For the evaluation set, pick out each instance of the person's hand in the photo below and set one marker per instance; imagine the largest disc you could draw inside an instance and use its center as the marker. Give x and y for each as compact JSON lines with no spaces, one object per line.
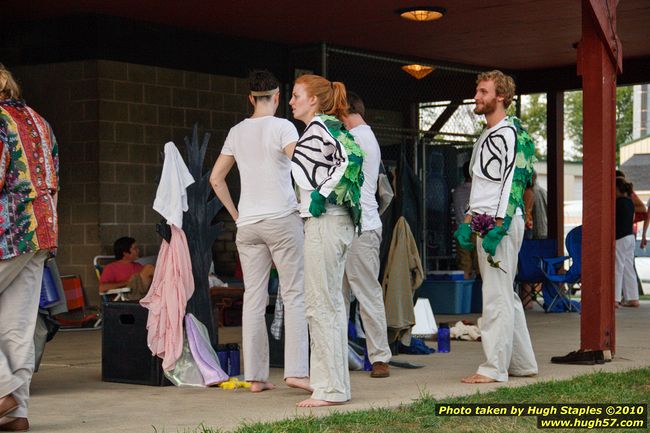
{"x":644,"y":243}
{"x":492,"y":238}
{"x":317,"y":205}
{"x":464,"y":236}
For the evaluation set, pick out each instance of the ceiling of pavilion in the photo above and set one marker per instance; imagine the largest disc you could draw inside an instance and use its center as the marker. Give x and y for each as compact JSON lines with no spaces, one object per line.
{"x":510,"y":34}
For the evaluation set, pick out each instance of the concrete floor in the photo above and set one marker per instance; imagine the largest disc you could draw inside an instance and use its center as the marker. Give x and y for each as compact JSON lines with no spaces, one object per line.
{"x":69,"y":396}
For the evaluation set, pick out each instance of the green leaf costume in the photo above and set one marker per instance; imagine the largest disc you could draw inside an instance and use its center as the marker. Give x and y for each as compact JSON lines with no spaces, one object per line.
{"x":523,"y":170}
{"x":348,"y":191}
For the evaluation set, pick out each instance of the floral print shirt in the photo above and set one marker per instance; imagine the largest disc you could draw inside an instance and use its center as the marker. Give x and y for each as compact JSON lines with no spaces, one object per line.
{"x":29,"y":179}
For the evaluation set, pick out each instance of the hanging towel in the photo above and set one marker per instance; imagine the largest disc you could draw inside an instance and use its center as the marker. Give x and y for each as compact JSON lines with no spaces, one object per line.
{"x":171,"y":196}
{"x":171,"y":287}
{"x":203,"y":353}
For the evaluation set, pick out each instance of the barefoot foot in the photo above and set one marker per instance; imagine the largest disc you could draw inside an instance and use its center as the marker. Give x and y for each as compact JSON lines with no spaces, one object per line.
{"x":257,"y":386}
{"x":477,"y":378}
{"x":299,"y":382}
{"x":312,"y":402}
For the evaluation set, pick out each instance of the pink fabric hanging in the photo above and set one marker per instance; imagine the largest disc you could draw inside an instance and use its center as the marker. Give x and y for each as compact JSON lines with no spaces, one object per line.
{"x":171,"y":287}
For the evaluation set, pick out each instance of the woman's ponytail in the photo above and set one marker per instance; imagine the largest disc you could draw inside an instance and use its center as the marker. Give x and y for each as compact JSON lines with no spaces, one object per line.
{"x":339,"y":100}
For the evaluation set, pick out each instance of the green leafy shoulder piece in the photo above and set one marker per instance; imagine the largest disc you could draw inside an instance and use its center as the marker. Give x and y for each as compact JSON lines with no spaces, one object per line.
{"x":523,"y":170}
{"x":348,"y":191}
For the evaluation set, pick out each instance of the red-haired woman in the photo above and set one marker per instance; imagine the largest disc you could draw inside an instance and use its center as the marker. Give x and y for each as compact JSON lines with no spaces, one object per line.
{"x":319,"y":164}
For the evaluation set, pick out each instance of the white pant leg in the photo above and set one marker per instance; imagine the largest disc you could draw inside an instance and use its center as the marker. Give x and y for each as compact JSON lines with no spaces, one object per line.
{"x":327,"y":240}
{"x":285,"y":238}
{"x":628,"y":280}
{"x":20,"y":288}
{"x":504,"y":334}
{"x":361,"y":273}
{"x":619,"y":270}
{"x":255,"y":259}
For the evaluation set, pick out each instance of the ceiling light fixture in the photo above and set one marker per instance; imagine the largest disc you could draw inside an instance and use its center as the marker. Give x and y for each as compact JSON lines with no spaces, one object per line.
{"x":421,"y":13}
{"x":417,"y":71}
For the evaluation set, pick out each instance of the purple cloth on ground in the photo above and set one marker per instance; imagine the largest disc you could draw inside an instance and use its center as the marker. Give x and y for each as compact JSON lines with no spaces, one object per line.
{"x":202,"y":352}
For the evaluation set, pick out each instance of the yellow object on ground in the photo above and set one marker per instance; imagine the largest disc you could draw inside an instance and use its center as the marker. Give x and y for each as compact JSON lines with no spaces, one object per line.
{"x":234,"y":383}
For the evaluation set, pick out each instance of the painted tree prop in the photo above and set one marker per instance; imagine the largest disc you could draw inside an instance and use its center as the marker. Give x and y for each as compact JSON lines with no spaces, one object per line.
{"x":200,"y":233}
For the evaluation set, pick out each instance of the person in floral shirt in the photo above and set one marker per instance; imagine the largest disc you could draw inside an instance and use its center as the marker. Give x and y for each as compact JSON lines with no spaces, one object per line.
{"x":29,"y":167}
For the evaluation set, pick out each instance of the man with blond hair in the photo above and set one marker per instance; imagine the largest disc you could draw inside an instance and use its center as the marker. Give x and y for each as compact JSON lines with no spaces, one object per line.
{"x":501,"y":166}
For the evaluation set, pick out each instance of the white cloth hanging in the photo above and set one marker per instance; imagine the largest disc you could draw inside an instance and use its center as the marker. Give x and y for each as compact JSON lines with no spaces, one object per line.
{"x":171,"y":196}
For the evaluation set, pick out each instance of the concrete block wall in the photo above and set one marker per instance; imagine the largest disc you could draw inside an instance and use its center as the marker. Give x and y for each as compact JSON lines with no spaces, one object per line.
{"x":112,"y":120}
{"x":66,"y":95}
{"x":140,"y":109}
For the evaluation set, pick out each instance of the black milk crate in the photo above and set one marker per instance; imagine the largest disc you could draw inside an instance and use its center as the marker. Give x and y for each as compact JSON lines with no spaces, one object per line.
{"x":125,"y":355}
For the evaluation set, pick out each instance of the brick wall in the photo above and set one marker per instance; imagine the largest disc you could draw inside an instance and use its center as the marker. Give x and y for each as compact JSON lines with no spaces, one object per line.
{"x":140,"y":109}
{"x":66,"y":95}
{"x":112,"y":120}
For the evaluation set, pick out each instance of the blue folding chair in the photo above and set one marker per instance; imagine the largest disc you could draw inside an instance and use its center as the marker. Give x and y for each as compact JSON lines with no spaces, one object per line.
{"x":531,"y":264}
{"x":558,"y":291}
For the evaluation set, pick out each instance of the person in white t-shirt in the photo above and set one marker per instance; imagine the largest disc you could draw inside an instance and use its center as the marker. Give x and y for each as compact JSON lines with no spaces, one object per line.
{"x":362,"y":265}
{"x":269,"y":231}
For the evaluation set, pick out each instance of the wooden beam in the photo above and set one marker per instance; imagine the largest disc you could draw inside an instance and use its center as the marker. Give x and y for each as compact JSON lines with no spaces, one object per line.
{"x":597,"y":327}
{"x":446,"y":115}
{"x":603,"y":15}
{"x":555,"y":161}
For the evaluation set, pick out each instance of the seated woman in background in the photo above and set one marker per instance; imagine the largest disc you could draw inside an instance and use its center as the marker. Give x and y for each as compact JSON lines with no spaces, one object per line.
{"x":126,"y":272}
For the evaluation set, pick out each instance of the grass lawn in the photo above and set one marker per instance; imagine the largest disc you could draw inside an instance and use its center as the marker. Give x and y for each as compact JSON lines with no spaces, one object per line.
{"x":627,"y":387}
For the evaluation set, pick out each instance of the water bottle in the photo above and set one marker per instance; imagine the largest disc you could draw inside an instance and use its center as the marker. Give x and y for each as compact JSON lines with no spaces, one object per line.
{"x":443,"y":338}
{"x":222,"y":354}
{"x":233,"y":360}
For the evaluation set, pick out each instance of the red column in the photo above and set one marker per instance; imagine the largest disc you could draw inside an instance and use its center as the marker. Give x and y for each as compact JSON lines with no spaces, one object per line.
{"x":598,"y":67}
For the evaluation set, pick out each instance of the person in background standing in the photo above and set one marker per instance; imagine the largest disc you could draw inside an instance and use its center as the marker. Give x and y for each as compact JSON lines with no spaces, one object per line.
{"x":362,"y":266}
{"x":626,"y":292}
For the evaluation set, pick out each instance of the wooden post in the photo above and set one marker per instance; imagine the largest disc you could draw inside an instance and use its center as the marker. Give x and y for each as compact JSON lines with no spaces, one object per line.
{"x":599,"y":59}
{"x":555,"y":161}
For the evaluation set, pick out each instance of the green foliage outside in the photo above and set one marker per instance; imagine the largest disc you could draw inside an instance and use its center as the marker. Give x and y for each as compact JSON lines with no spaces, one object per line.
{"x":533,"y":116}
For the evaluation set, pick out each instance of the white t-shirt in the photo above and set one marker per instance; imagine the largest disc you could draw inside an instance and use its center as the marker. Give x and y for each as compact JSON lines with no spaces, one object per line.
{"x":492,"y":168}
{"x":319,"y":162}
{"x":257,"y":144}
{"x":364,"y":137}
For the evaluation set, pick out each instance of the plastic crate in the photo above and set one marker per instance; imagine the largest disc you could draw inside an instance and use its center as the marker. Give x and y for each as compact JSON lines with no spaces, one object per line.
{"x":447,"y":275}
{"x":477,"y":296}
{"x":447,"y":297}
{"x":125,"y":355}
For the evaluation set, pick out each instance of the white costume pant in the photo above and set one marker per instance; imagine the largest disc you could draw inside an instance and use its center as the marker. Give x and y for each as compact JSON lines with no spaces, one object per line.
{"x":361,"y":273}
{"x":327,"y":241}
{"x":20,"y":290}
{"x":625,"y":276}
{"x":279,"y":241}
{"x":504,"y":334}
